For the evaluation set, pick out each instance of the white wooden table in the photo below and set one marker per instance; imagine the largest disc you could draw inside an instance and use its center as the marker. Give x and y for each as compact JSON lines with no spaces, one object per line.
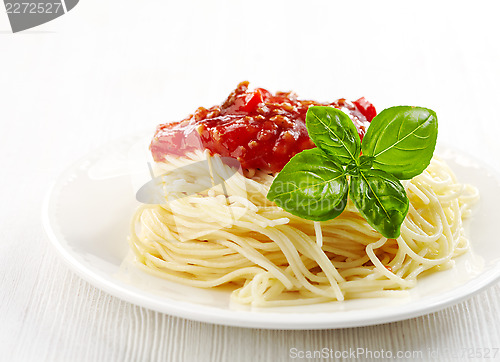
{"x":109,"y":69}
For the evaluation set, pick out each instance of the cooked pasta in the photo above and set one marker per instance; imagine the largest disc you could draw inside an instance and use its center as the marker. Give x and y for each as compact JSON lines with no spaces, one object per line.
{"x":217,"y":227}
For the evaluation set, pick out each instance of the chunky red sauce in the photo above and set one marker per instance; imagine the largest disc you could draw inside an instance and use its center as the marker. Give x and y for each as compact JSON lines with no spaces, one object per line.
{"x":261,"y":130}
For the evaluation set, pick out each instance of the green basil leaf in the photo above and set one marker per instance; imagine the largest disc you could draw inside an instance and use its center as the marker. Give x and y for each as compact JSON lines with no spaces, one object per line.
{"x":334,"y":132}
{"x":311,"y":186}
{"x":401,"y":140}
{"x":381,"y":199}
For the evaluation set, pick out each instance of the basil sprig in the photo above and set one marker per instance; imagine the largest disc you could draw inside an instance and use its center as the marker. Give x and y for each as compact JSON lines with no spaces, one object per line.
{"x":316,"y":183}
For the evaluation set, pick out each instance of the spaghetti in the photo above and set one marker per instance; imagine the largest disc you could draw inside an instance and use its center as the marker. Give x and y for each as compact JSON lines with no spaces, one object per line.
{"x":230,"y":233}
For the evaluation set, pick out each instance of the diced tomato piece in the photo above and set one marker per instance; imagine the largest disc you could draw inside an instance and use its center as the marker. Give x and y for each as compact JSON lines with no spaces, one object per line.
{"x":366,"y":108}
{"x":252,"y":101}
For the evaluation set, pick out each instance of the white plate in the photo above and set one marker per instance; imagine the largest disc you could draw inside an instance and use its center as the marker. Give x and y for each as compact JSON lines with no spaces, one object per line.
{"x":86,"y":216}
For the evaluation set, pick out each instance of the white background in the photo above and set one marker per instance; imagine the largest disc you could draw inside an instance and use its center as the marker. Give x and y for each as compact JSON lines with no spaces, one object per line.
{"x":111,"y":68}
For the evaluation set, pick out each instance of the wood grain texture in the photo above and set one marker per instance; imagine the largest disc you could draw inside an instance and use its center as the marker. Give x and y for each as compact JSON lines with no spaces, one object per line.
{"x":109,"y":69}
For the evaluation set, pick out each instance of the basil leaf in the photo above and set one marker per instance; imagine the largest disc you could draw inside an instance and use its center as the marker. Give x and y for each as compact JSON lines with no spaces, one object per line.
{"x":311,"y":186}
{"x":334,"y":132}
{"x":401,"y":140}
{"x":381,"y":199}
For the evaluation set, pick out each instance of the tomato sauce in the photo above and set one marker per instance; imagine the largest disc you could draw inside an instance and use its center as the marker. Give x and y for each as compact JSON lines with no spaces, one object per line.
{"x":260,"y":129}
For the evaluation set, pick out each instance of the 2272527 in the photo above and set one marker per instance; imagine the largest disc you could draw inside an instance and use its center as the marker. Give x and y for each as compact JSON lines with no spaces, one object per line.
{"x":34,"y":8}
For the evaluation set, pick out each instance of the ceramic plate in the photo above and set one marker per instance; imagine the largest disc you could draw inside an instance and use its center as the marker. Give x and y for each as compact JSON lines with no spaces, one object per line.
{"x":87,"y":214}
